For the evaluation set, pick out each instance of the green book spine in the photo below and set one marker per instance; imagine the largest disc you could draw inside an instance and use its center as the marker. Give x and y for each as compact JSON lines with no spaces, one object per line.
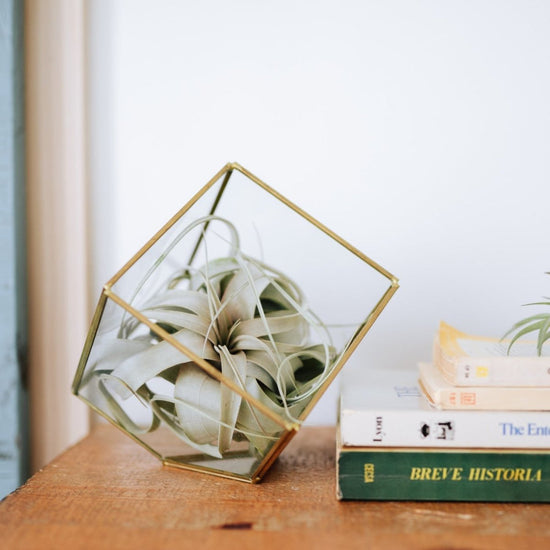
{"x":458,"y":474}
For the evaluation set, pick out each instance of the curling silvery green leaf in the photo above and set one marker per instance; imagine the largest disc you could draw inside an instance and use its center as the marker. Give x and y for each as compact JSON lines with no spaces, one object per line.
{"x":247,"y":320}
{"x":539,"y":323}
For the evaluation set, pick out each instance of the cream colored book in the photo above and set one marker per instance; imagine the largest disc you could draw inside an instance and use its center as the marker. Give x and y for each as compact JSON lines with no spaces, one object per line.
{"x":443,"y":395}
{"x":468,"y":360}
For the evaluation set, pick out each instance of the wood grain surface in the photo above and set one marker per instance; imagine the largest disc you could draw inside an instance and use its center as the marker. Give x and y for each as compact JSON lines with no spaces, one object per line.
{"x":107,"y":492}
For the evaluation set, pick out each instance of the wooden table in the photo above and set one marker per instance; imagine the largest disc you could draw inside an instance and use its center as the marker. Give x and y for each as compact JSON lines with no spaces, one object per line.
{"x":107,"y":492}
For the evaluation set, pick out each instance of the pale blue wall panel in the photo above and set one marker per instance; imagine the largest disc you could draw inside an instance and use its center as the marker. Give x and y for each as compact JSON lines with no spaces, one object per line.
{"x":13,"y":417}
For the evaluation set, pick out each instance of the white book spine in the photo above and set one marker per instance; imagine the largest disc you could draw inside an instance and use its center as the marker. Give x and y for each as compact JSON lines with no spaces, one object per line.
{"x":489,"y":429}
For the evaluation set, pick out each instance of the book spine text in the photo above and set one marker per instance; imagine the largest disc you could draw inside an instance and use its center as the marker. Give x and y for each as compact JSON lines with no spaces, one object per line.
{"x":500,"y":429}
{"x":389,"y":474}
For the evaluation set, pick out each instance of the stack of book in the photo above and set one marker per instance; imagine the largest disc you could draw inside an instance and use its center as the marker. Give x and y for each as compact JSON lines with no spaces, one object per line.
{"x":472,"y":426}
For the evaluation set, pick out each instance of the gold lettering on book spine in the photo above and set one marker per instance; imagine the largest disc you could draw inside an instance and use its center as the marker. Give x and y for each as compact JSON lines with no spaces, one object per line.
{"x":474,"y":474}
{"x":368,"y":473}
{"x":504,"y":474}
{"x":436,"y":474}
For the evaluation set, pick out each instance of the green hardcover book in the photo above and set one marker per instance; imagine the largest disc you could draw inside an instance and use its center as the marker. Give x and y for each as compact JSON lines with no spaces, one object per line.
{"x":383,"y":473}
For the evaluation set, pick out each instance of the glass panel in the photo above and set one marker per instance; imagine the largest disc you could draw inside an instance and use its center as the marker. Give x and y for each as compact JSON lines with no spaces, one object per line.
{"x":153,"y":391}
{"x":338,"y":286}
{"x":253,"y":438}
{"x":109,"y":351}
{"x":173,"y":250}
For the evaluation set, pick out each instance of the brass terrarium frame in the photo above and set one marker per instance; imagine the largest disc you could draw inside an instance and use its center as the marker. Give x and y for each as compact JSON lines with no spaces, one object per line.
{"x":290,"y":427}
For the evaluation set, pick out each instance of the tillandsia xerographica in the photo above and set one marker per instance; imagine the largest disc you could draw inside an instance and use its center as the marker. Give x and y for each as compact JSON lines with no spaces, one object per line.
{"x":246,"y":319}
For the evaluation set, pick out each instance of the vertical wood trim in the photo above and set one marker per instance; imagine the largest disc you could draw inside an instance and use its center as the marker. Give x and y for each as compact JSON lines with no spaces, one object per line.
{"x":56,"y":220}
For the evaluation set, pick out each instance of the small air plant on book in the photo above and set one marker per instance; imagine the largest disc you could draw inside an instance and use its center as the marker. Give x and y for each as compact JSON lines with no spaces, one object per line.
{"x":538,"y":324}
{"x":245,"y":319}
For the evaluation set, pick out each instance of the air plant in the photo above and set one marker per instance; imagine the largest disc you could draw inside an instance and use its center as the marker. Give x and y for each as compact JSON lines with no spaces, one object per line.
{"x":241,"y":316}
{"x":539,"y":323}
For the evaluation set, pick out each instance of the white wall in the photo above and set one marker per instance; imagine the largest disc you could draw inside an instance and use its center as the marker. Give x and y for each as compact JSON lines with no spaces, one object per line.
{"x":417,"y":130}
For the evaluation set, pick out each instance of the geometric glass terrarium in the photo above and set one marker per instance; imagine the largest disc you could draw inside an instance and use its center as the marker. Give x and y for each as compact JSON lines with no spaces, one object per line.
{"x":213,"y":343}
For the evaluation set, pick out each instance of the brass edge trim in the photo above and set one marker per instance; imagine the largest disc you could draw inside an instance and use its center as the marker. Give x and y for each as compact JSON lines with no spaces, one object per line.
{"x":120,"y":428}
{"x":315,"y":222}
{"x":273,"y":454}
{"x":205,"y":469}
{"x":209,"y":369}
{"x":227,"y":168}
{"x":356,"y":340}
{"x":212,"y":211}
{"x":92,"y":333}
